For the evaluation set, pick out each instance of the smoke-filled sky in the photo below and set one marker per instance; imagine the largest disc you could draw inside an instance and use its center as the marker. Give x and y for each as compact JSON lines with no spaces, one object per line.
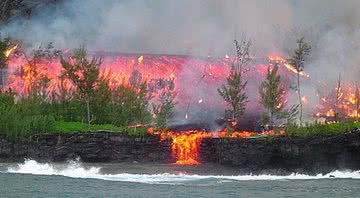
{"x":205,"y":27}
{"x":186,"y":26}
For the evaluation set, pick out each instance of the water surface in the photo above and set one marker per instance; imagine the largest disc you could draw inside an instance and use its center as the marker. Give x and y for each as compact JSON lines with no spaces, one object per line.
{"x":74,"y":179}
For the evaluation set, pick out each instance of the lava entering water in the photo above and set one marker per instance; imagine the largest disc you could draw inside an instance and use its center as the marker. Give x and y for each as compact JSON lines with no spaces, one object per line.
{"x":186,"y":145}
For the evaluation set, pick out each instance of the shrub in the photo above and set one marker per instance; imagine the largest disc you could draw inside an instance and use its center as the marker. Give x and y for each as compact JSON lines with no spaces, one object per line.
{"x":318,"y":129}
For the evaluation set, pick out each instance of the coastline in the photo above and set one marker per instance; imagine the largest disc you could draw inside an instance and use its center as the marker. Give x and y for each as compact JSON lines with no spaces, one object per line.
{"x":281,"y":155}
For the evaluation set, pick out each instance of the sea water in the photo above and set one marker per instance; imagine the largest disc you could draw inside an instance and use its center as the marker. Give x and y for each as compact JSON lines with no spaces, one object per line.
{"x":75,"y":179}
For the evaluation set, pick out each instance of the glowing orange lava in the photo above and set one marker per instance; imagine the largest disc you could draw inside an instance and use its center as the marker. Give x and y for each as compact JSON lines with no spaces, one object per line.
{"x":186,"y":145}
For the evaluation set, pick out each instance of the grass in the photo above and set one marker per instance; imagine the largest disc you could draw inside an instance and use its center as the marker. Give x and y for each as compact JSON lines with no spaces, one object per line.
{"x":317,"y":129}
{"x":71,"y":127}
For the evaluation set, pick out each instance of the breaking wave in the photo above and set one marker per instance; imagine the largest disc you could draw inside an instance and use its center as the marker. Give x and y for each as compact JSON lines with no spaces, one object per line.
{"x":76,"y":170}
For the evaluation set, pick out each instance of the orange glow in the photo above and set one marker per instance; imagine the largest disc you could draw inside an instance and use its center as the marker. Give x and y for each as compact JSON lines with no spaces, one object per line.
{"x":343,"y":102}
{"x":140,"y":59}
{"x":282,"y":61}
{"x":8,"y":52}
{"x":185,"y":146}
{"x":305,"y":100}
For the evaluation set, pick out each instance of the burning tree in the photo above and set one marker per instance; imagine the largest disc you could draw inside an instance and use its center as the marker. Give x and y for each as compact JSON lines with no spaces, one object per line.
{"x":271,"y":96}
{"x":37,"y":82}
{"x":233,"y":91}
{"x":84,"y":74}
{"x":357,"y":102}
{"x":298,"y":61}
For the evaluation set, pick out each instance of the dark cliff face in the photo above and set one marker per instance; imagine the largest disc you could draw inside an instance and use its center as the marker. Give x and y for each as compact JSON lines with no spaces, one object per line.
{"x":89,"y":147}
{"x":306,"y":155}
{"x":310,"y":155}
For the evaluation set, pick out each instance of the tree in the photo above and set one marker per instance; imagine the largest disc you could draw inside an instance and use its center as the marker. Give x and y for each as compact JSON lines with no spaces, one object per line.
{"x":3,"y":48}
{"x":84,"y":74}
{"x":233,"y":91}
{"x":357,"y":101}
{"x":337,"y":107}
{"x":165,"y":109}
{"x":271,"y":95}
{"x":130,"y":105}
{"x":36,"y":82}
{"x":298,"y":61}
{"x":101,"y":104}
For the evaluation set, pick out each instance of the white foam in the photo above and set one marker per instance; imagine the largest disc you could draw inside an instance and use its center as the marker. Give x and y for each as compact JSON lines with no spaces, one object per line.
{"x":75,"y":170}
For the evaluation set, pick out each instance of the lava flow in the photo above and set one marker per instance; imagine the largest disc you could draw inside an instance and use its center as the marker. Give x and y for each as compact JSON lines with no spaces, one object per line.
{"x":186,"y":145}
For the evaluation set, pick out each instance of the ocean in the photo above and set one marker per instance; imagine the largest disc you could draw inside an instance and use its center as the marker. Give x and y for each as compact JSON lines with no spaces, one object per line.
{"x":80,"y":180}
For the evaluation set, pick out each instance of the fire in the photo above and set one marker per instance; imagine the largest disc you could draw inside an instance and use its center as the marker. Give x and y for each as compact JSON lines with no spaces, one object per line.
{"x":284,"y":62}
{"x":343,"y":103}
{"x":140,"y":59}
{"x":305,"y":100}
{"x":330,"y":113}
{"x":200,"y":101}
{"x":10,"y":51}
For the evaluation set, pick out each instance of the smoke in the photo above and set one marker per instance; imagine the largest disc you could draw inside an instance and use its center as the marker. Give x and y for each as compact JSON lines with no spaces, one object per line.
{"x":206,"y":27}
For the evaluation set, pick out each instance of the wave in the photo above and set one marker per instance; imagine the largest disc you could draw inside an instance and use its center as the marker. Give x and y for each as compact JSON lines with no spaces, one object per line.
{"x":74,"y":169}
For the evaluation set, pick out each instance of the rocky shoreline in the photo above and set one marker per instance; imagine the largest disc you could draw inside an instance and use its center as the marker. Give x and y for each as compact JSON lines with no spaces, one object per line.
{"x":318,"y":154}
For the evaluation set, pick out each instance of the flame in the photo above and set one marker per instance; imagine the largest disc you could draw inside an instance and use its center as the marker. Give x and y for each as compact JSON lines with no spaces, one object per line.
{"x":330,"y":113}
{"x":305,"y":100}
{"x":140,"y":59}
{"x":8,"y":52}
{"x":200,"y":101}
{"x":172,"y":76}
{"x":343,"y":101}
{"x":284,"y":62}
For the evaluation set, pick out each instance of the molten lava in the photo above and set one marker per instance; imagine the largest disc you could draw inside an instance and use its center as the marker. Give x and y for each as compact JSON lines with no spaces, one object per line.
{"x":186,"y":145}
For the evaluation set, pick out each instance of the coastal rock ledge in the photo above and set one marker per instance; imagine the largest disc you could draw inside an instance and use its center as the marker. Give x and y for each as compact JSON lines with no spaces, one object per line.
{"x":316,"y":154}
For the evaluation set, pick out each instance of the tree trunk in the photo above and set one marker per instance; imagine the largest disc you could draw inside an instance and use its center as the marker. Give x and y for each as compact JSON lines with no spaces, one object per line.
{"x":300,"y":100}
{"x":88,"y":110}
{"x":271,"y":120}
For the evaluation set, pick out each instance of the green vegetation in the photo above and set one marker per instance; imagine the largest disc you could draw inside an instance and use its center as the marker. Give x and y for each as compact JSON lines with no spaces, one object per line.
{"x":298,"y":61}
{"x":164,"y":110}
{"x":19,"y":121}
{"x":4,"y":44}
{"x":271,"y":96}
{"x":318,"y":129}
{"x":82,"y":100}
{"x":85,"y":99}
{"x":84,"y":74}
{"x":70,"y":127}
{"x":233,"y":91}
